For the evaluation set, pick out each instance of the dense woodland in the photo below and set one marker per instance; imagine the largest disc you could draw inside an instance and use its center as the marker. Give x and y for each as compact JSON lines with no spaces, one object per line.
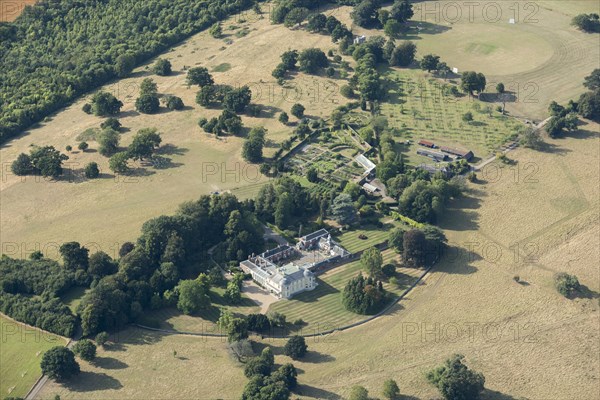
{"x":58,"y":50}
{"x":29,"y":290}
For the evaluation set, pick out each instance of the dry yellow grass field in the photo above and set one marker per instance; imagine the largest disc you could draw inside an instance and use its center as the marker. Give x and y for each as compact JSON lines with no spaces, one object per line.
{"x":526,"y":339}
{"x":11,"y":9}
{"x":106,"y":212}
{"x":142,"y":365}
{"x":531,"y":219}
{"x":540,"y":58}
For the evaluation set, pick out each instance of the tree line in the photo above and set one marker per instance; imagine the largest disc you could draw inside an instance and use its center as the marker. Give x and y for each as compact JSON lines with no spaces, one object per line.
{"x":56,"y":51}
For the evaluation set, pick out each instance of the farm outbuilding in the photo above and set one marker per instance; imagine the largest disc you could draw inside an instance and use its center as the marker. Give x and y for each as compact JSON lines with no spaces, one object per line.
{"x":459,"y":153}
{"x":427,"y":143}
{"x":435,"y":155}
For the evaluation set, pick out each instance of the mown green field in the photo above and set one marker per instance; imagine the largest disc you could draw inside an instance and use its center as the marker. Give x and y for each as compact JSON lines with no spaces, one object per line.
{"x":350,"y":239}
{"x":322,"y":309}
{"x":21,"y":350}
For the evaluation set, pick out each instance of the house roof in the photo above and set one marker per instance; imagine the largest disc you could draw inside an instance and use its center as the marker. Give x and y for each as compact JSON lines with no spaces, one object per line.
{"x":426,"y":143}
{"x":274,"y":251}
{"x":314,"y":235}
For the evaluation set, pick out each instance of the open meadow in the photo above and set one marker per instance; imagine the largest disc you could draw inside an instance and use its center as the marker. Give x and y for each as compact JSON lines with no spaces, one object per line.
{"x":521,"y":336}
{"x":21,"y":349}
{"x":490,"y":297}
{"x":540,"y":58}
{"x":139,"y":364}
{"x":104,"y":213}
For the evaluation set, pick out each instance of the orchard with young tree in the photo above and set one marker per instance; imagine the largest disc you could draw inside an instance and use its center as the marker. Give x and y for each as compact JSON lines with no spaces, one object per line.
{"x":473,"y":82}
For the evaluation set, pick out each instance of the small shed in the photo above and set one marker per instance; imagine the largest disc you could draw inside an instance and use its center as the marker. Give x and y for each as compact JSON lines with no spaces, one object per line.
{"x":435,"y":155}
{"x":455,"y":70}
{"x":370,"y":188}
{"x":427,"y":143}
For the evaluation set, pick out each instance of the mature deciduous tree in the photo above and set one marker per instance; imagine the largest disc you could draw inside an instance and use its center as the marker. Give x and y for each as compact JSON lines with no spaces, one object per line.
{"x":59,"y":363}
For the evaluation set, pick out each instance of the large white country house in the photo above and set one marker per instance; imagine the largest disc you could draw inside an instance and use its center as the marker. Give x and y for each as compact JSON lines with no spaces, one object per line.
{"x":284,"y":279}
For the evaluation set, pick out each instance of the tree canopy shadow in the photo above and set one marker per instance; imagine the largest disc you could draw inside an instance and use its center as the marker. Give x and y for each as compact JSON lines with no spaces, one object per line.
{"x":269,"y":111}
{"x":417,"y":28}
{"x":586,"y":293}
{"x":582,"y":134}
{"x":551,"y":148}
{"x":139,"y":172}
{"x":506,"y":97}
{"x":323,"y":288}
{"x":316,"y":393}
{"x":130,"y":113}
{"x":477,"y":123}
{"x":91,"y":382}
{"x":495,"y":395}
{"x":109,"y":363}
{"x":460,"y":214}
{"x":457,"y":260}
{"x":160,"y":162}
{"x":169,"y":149}
{"x":314,"y":357}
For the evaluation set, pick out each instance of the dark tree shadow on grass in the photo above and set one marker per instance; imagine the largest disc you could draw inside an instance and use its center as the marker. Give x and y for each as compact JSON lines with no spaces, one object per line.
{"x":322,"y":289}
{"x":91,"y":382}
{"x":551,"y":148}
{"x":139,"y":172}
{"x":160,"y":162}
{"x":114,"y":346}
{"x":404,"y":280}
{"x":109,"y":363}
{"x":582,"y":134}
{"x":417,"y":28}
{"x":258,"y":347}
{"x":489,"y":394}
{"x":586,"y":293}
{"x":477,"y":123}
{"x":316,"y":393}
{"x":269,"y":111}
{"x":459,"y":217}
{"x":457,"y":260}
{"x":169,"y":149}
{"x":130,"y":113}
{"x":314,"y":357}
{"x":271,"y":144}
